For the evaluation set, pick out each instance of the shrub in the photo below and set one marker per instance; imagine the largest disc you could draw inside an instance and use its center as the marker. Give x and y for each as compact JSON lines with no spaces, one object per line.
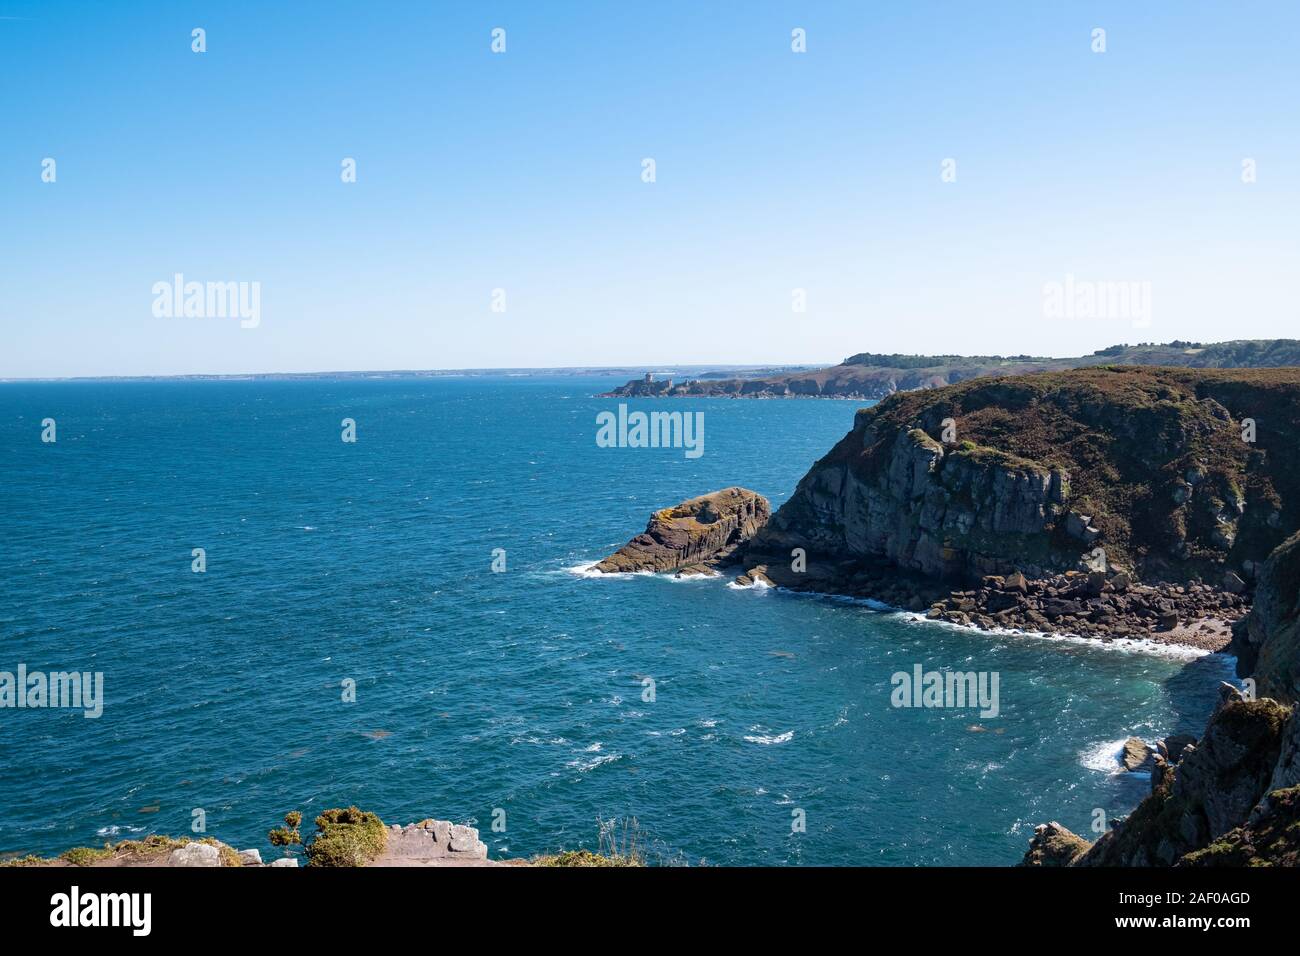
{"x":350,"y":837}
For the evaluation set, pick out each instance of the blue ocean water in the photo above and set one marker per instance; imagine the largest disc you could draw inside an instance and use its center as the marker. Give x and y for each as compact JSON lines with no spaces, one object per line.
{"x":477,"y":691}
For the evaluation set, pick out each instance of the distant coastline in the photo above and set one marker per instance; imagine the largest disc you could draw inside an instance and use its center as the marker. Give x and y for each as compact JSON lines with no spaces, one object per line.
{"x":869,"y":375}
{"x":701,"y":372}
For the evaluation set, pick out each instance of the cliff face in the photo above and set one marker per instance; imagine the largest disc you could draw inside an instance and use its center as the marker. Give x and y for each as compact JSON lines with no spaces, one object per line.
{"x":902,"y":497}
{"x":1036,"y":472}
{"x":694,"y":533}
{"x":1267,"y":643}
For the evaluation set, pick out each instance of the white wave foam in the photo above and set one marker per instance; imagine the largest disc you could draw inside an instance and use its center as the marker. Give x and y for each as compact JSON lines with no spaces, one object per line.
{"x":1124,"y":645}
{"x":588,"y":570}
{"x":114,"y":830}
{"x":583,"y":766}
{"x":755,"y":585}
{"x":1104,"y":756}
{"x":769,"y":739}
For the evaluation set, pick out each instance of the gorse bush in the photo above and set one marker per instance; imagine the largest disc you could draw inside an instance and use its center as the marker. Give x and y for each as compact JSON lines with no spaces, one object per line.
{"x":348,"y":837}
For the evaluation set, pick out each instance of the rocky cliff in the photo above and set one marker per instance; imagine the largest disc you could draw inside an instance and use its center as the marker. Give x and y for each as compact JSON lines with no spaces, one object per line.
{"x":1124,"y":467}
{"x":1267,"y":643}
{"x":696,"y":533}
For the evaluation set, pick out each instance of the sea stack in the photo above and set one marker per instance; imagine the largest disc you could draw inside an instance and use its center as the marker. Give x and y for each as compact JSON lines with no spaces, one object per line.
{"x":693,"y":536}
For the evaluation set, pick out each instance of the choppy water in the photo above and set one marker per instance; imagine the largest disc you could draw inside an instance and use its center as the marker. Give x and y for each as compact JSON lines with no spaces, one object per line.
{"x":476,"y":690}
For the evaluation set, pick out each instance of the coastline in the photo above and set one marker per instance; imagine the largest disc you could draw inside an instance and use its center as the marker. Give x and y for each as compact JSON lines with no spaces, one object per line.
{"x":1181,"y":642}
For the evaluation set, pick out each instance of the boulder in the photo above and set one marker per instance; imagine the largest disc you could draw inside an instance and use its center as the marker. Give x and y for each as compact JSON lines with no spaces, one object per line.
{"x":1137,"y":755}
{"x":195,"y":854}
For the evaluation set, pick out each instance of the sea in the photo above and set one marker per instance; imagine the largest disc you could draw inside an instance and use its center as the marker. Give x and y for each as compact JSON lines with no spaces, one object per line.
{"x":408,"y":622}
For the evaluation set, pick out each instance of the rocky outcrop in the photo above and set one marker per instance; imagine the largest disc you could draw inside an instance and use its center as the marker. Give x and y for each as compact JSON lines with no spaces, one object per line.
{"x":1138,"y":469}
{"x":431,"y":843}
{"x":427,"y":843}
{"x":1233,"y":797}
{"x":904,"y":498}
{"x":693,"y":534}
{"x":1054,"y":845}
{"x":1271,"y":837}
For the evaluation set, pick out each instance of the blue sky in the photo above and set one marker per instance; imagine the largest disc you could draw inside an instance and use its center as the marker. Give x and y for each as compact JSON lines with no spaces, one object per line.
{"x":521,"y":171}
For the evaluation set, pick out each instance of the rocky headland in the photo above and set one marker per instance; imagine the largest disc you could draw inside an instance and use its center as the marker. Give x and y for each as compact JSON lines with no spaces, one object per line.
{"x":1115,"y":502}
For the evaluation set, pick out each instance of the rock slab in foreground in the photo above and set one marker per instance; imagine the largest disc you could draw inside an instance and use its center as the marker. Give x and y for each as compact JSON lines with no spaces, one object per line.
{"x":693,"y":534}
{"x":432,"y":842}
{"x":195,"y":854}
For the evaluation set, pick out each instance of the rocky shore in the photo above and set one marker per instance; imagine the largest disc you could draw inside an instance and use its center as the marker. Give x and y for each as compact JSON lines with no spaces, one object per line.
{"x":1103,"y":605}
{"x":1100,"y":605}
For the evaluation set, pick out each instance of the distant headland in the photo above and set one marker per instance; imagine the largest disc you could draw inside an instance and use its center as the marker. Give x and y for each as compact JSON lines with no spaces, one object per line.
{"x":869,"y":375}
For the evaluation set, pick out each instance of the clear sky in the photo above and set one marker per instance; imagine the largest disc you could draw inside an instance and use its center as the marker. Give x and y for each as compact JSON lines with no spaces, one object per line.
{"x":522,"y":171}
